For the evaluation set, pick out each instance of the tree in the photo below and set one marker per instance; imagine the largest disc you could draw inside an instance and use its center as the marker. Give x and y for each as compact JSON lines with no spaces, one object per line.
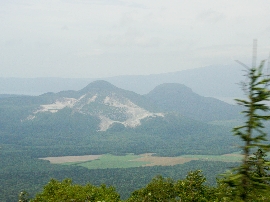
{"x":193,"y":189}
{"x":23,"y":196}
{"x":260,"y":166}
{"x":56,"y":191}
{"x":190,"y":189}
{"x":245,"y":183}
{"x":159,"y":189}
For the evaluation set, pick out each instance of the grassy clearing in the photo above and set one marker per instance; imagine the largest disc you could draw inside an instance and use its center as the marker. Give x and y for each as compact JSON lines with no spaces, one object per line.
{"x":130,"y":160}
{"x":111,"y":161}
{"x":71,"y":159}
{"x":163,"y":161}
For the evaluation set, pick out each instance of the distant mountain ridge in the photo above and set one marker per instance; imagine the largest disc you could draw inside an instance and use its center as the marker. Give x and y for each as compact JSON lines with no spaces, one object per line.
{"x":213,"y":81}
{"x":210,"y":81}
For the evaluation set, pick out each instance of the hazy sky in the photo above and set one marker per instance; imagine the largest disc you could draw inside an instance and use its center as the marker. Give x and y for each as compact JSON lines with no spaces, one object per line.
{"x":101,"y":38}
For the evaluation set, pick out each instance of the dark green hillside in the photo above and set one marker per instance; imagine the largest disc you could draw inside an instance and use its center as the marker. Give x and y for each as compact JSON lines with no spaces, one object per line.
{"x":75,"y":130}
{"x":64,"y":133}
{"x":15,"y":109}
{"x":181,"y":99}
{"x":177,"y":135}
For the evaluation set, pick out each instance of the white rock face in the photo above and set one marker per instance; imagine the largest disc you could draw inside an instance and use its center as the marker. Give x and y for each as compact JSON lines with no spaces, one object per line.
{"x":92,"y":99}
{"x":133,"y":114}
{"x":105,"y":123}
{"x":59,"y":104}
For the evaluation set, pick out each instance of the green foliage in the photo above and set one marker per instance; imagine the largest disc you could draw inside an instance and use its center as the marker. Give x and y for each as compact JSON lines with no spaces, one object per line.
{"x":249,"y":181}
{"x":260,"y":166}
{"x":190,"y":189}
{"x":159,"y":189}
{"x":193,"y":189}
{"x":56,"y":191}
{"x":23,"y":196}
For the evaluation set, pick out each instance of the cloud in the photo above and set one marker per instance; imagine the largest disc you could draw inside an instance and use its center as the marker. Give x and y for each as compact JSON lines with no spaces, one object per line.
{"x":211,"y":16}
{"x":65,"y":28}
{"x":145,"y":36}
{"x":93,"y":52}
{"x":133,"y":4}
{"x":131,"y":38}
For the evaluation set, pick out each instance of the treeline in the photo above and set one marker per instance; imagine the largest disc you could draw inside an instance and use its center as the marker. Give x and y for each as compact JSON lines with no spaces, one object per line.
{"x":160,"y":189}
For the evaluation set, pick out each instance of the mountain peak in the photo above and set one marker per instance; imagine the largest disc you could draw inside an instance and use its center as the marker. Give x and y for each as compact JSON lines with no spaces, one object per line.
{"x":99,"y":85}
{"x":179,"y":98}
{"x":171,"y":87}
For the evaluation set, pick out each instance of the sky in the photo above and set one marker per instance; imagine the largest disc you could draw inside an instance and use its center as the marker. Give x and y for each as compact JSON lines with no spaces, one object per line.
{"x":104,"y":38}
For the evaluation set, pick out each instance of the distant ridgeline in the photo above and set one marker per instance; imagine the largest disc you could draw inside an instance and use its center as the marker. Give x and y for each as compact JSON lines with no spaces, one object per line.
{"x":213,"y":81}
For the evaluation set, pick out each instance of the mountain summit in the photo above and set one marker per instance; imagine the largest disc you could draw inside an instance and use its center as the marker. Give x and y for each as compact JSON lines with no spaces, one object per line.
{"x":175,"y":97}
{"x":102,"y":100}
{"x":99,"y":85}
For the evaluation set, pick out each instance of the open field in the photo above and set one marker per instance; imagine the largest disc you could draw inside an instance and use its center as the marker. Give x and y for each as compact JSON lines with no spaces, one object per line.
{"x":130,"y":160}
{"x":162,"y":161}
{"x":111,"y":161}
{"x":71,"y":159}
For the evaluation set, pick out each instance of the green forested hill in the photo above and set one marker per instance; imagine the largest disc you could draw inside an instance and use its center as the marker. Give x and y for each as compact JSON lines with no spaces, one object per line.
{"x":181,"y":99}
{"x":36,"y":124}
{"x":63,"y":134}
